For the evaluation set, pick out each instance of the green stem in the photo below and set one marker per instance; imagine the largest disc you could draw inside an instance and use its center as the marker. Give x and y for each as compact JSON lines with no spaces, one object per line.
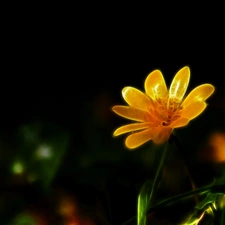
{"x":159,"y":172}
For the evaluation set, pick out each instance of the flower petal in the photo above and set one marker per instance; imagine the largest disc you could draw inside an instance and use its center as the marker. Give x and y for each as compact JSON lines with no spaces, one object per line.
{"x":136,"y":98}
{"x":139,"y":138}
{"x":130,"y":113}
{"x":180,"y":122}
{"x":179,"y":84}
{"x":193,"y":110}
{"x":130,"y":127}
{"x":155,"y":85}
{"x":200,"y":93}
{"x":162,"y":135}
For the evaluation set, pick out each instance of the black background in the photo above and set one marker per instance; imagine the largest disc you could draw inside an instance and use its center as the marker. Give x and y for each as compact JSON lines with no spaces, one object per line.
{"x":67,"y":66}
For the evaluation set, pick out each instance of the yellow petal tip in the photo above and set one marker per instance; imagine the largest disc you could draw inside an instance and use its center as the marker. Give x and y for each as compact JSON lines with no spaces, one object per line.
{"x":116,"y":133}
{"x":114,"y":108}
{"x":186,"y":67}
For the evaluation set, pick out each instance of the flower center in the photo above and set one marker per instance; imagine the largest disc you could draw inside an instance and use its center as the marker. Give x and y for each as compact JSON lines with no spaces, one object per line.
{"x":165,"y":111}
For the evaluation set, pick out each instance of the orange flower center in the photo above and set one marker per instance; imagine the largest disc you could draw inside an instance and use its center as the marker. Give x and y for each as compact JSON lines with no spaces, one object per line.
{"x":164,"y":111}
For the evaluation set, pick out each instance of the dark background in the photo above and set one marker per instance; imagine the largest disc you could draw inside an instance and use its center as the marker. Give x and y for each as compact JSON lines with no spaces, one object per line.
{"x":62,"y":71}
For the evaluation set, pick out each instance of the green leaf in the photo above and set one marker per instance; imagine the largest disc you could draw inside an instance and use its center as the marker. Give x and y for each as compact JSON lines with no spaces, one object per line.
{"x":143,"y":201}
{"x":211,"y":198}
{"x":209,"y":205}
{"x":223,"y":216}
{"x":193,"y":220}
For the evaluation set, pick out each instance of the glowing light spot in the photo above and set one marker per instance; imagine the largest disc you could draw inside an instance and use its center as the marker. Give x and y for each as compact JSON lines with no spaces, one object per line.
{"x":217,"y":142}
{"x":17,"y":168}
{"x":44,"y":151}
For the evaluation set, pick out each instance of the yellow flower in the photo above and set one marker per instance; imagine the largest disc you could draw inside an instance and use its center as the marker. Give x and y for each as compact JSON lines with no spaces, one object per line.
{"x":158,"y":111}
